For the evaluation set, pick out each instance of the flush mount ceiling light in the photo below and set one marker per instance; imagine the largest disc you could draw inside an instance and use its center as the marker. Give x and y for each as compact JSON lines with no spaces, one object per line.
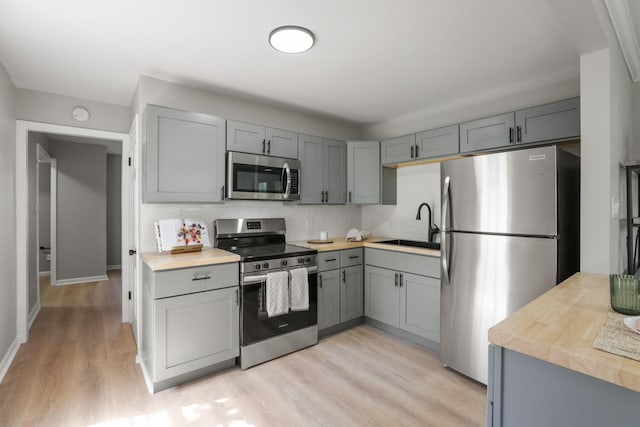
{"x":291,"y":39}
{"x":80,"y":114}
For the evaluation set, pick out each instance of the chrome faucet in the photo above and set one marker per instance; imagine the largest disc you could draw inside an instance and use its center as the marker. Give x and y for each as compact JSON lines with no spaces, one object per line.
{"x":432,"y":230}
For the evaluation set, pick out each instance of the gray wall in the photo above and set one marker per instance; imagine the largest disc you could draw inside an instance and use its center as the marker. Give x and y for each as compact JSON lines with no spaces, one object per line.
{"x":81,"y":209}
{"x":114,"y":209}
{"x":7,"y":212}
{"x":56,"y":109}
{"x":303,"y":222}
{"x":44,"y":215}
{"x":34,"y":139}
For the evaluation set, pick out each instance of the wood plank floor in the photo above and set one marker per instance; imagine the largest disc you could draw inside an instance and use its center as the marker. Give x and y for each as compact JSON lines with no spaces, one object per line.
{"x":78,"y":369}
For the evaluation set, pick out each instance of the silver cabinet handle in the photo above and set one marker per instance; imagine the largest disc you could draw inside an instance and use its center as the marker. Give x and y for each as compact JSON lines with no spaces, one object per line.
{"x":207,"y":277}
{"x":320,"y":280}
{"x":287,"y":170}
{"x":332,"y":259}
{"x":396,"y":282}
{"x":401,"y":279}
{"x":344,"y":276}
{"x":443,"y":230}
{"x":518,"y":133}
{"x":412,"y":148}
{"x":269,"y":147}
{"x":264,"y":146}
{"x":237,"y":297}
{"x":416,"y":151}
{"x":354,"y":257}
{"x":510,"y":135}
{"x":326,"y":196}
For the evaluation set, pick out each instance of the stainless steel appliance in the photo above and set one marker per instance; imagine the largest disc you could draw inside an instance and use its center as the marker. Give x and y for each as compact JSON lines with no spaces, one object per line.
{"x":263,"y":249}
{"x":510,"y":232}
{"x":256,"y":177}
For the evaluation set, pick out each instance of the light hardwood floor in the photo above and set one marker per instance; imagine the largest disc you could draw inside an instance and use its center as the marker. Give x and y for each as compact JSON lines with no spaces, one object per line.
{"x":78,"y":369}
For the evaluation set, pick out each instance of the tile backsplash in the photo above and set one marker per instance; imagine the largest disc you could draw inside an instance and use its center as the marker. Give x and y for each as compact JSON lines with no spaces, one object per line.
{"x":303,"y":222}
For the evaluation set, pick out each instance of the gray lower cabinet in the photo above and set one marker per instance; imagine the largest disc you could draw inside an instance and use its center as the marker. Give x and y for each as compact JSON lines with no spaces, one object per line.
{"x":398,"y":150}
{"x":257,"y":139}
{"x":340,"y":287}
{"x":439,"y":142}
{"x":190,"y":323}
{"x":403,"y":290}
{"x":549,"y":122}
{"x":363,"y":172}
{"x":324,"y":170}
{"x":184,"y":156}
{"x":488,"y":133}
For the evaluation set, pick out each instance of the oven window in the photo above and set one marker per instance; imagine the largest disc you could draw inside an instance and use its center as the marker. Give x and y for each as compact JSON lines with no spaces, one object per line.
{"x":257,"y":179}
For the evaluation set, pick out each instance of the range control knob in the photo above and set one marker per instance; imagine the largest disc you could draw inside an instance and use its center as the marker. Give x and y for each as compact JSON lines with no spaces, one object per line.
{"x":283,"y":263}
{"x":307,"y":259}
{"x":265,"y":265}
{"x":301,"y":260}
{"x":257,"y":266}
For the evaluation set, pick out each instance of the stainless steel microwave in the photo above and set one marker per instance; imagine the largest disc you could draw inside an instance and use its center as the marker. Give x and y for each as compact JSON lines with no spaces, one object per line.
{"x":255,"y":177}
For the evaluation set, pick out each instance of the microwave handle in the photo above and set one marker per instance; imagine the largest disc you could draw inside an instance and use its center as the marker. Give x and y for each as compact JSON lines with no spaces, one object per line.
{"x":286,"y":169}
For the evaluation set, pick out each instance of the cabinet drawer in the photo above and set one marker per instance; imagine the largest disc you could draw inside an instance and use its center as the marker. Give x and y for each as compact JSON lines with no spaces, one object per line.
{"x":400,"y":261}
{"x":349,"y":257}
{"x":328,"y":260}
{"x":197,"y":279}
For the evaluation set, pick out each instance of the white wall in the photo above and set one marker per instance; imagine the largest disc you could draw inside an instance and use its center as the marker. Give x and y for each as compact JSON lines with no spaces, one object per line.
{"x":303,"y":222}
{"x":81,"y":247}
{"x":7,"y":216}
{"x":56,"y":109}
{"x":416,"y":184}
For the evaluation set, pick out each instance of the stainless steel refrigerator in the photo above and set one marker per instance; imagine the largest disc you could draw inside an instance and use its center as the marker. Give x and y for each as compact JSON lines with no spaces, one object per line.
{"x":510,"y":232}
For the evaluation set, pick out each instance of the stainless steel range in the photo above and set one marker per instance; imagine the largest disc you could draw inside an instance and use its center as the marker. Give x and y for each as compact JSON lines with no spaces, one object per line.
{"x":263,"y":249}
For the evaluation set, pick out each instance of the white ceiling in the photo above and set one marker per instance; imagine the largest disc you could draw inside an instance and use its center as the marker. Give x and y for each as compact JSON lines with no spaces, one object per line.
{"x":373,"y":59}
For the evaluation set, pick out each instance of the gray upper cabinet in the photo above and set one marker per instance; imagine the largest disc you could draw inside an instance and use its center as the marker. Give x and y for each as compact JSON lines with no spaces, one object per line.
{"x":363,"y":172}
{"x":184,"y":156}
{"x":324,"y":170}
{"x":398,"y":150}
{"x":437,"y":142}
{"x":558,"y":120}
{"x":487,"y":133}
{"x":257,"y":139}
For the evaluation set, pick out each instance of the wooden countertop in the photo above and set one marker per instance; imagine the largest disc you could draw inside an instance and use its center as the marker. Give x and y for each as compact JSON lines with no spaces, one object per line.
{"x":560,"y":326}
{"x":159,"y":261}
{"x":340,"y":243}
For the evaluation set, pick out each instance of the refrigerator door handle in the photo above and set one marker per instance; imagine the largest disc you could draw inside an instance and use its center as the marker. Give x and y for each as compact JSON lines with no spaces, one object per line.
{"x":443,"y":237}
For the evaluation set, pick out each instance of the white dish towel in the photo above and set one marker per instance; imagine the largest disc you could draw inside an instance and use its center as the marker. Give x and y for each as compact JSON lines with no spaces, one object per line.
{"x":299,"y":289}
{"x":277,"y":293}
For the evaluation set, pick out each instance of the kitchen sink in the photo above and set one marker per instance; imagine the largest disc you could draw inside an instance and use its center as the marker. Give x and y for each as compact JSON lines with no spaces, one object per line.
{"x":413,"y":243}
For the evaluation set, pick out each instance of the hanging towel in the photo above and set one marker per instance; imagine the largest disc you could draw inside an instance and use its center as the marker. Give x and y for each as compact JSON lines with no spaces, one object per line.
{"x":277,"y":293}
{"x":299,"y":289}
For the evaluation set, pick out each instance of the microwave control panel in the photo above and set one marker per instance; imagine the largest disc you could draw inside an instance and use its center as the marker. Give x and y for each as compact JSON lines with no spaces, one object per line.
{"x":294,"y":182}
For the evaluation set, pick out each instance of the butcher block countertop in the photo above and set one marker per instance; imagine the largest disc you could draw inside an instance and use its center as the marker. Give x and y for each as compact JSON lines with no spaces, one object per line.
{"x":159,"y":261}
{"x":560,"y":326}
{"x":340,"y":243}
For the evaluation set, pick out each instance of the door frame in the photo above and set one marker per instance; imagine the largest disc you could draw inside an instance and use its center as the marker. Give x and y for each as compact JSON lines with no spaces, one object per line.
{"x":42,"y":156}
{"x":22,"y":210}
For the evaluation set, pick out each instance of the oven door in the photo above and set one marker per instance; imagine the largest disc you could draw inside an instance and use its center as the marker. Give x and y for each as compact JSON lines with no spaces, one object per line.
{"x":255,"y":177}
{"x":256,"y":326}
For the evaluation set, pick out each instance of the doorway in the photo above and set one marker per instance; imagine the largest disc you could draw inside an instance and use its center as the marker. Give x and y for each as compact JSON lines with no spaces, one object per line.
{"x":23,"y":211}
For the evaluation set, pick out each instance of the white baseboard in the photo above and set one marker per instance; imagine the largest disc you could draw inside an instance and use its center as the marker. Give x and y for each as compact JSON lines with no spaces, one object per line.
{"x":8,"y":358}
{"x":114,"y":267}
{"x":77,"y":280}
{"x":33,"y":314}
{"x":45,"y":273}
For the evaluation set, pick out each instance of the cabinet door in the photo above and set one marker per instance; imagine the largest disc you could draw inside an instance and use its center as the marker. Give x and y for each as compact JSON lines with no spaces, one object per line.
{"x":558,"y":120}
{"x":184,"y":156}
{"x":195,"y":331}
{"x":282,"y":143}
{"x":246,"y":137}
{"x":328,"y":298}
{"x":351,"y":298}
{"x":363,"y":172}
{"x":438,"y":142}
{"x":335,"y":171}
{"x":381,"y":295}
{"x":311,"y":151}
{"x":397,"y":150}
{"x":420,"y":305}
{"x":487,"y":133}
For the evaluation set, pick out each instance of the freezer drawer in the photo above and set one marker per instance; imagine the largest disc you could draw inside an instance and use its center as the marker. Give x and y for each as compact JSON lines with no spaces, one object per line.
{"x":512,"y":193}
{"x":490,"y":277}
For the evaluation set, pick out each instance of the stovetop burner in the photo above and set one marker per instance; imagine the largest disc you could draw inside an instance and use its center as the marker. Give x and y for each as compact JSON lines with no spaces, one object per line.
{"x":260,"y":253}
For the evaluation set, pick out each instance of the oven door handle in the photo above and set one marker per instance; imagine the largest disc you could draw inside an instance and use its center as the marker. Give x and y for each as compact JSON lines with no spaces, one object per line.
{"x":248,"y":280}
{"x":287,"y":170}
